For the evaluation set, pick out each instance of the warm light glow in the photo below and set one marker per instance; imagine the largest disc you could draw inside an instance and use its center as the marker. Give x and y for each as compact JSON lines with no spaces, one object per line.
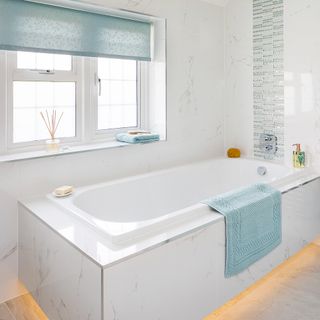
{"x":251,"y":300}
{"x":25,"y":307}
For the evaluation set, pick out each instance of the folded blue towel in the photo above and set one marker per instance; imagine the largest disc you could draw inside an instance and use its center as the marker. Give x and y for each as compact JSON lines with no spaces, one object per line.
{"x":137,"y":138}
{"x":253,"y":224}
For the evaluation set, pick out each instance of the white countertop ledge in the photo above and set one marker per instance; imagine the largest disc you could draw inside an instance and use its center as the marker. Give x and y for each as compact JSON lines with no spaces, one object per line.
{"x":96,"y":247}
{"x":64,"y":151}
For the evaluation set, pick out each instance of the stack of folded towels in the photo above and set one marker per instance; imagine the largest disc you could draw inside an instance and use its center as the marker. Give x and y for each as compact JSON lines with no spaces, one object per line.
{"x":138,"y":137}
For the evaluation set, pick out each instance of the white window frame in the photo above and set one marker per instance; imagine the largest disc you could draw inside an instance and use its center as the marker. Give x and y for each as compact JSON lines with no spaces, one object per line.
{"x":3,"y":102}
{"x":142,"y":89}
{"x":84,"y":73}
{"x":14,"y":74}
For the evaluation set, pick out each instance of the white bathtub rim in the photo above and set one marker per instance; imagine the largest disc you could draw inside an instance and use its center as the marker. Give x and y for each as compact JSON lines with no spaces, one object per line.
{"x":129,"y":232}
{"x":117,"y":237}
{"x":113,"y":254}
{"x":58,"y":219}
{"x":133,"y":177}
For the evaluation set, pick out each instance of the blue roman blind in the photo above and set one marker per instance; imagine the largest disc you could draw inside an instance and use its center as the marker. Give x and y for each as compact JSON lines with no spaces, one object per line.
{"x":35,"y":27}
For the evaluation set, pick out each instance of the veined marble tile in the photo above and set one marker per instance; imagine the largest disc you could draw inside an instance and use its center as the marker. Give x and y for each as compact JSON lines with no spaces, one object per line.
{"x":64,"y":282}
{"x":5,"y":313}
{"x":302,"y":78}
{"x":238,"y":99}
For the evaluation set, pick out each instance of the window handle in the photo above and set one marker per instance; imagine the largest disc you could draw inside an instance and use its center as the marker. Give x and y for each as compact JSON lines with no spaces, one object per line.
{"x":43,"y":71}
{"x":98,"y":83}
{"x":99,"y":87}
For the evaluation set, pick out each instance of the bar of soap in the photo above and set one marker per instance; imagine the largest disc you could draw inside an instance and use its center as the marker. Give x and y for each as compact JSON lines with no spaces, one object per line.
{"x":63,"y":191}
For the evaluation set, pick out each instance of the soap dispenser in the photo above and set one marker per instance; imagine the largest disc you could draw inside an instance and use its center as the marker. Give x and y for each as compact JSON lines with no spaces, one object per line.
{"x":299,"y":157}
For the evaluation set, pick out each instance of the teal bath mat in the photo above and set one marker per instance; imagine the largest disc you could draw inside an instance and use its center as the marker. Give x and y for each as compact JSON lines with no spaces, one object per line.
{"x":253,"y":224}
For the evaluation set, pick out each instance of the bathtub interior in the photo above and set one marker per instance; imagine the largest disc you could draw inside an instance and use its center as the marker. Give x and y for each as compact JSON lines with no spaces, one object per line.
{"x":132,"y":209}
{"x":154,"y":195}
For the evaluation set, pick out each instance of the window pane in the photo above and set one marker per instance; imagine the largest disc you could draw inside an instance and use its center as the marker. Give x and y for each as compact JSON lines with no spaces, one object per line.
{"x":32,"y":97}
{"x":62,"y":62}
{"x":116,"y":116}
{"x":117,"y":103}
{"x":44,"y":61}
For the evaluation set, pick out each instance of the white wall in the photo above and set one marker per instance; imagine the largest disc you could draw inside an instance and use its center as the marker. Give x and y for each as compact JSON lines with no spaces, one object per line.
{"x":195,"y":122}
{"x":302,"y":77}
{"x":239,"y":76}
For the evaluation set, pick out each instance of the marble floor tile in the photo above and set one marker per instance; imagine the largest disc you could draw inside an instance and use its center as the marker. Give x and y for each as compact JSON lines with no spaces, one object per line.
{"x":317,"y":241}
{"x":5,"y":313}
{"x":291,"y":291}
{"x":25,"y":308}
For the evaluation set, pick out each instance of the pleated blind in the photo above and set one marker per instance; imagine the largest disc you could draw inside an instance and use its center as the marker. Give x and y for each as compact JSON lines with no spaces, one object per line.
{"x":36,"y":27}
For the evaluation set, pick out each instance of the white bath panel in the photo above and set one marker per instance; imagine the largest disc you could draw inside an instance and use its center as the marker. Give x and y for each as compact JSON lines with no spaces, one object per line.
{"x":64,"y":282}
{"x":75,"y":272}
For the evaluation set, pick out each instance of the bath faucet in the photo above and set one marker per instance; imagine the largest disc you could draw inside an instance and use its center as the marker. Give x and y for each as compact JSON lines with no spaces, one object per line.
{"x":268,"y":143}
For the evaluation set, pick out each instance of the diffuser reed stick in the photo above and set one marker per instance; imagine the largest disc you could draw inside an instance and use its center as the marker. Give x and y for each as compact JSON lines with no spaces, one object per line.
{"x":51,"y":122}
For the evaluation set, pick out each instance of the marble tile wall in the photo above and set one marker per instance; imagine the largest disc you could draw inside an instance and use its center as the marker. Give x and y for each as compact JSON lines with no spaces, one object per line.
{"x":63,"y":281}
{"x":238,"y":100}
{"x":302,"y":78}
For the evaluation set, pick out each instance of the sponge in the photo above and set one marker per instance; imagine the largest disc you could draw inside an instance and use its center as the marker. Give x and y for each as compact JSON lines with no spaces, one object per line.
{"x":234,"y":153}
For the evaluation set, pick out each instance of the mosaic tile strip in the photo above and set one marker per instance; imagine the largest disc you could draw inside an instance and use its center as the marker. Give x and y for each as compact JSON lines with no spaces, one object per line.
{"x":268,"y":75}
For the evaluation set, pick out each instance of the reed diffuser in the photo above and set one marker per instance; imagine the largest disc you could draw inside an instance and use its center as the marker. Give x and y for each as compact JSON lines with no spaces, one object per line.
{"x":52,"y":124}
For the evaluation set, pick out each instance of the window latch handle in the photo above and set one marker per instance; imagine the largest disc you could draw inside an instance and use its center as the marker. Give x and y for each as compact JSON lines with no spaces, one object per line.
{"x":98,"y":83}
{"x":99,"y":87}
{"x":44,"y":71}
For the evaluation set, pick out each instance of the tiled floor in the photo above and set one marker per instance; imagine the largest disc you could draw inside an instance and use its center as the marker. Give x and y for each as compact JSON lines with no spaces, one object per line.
{"x":292,"y":291}
{"x":22,"y":308}
{"x":5,"y":313}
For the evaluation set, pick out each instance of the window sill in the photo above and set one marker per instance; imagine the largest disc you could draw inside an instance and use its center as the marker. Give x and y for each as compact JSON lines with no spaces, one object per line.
{"x":65,"y":150}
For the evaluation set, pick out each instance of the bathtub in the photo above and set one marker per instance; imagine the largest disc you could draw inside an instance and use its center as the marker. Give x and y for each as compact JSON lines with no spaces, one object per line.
{"x":128,"y":247}
{"x":134,"y":208}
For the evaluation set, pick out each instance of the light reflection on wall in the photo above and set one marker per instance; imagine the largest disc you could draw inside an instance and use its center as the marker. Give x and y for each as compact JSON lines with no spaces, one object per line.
{"x":298,"y":93}
{"x":289,"y":94}
{"x":307,"y":92}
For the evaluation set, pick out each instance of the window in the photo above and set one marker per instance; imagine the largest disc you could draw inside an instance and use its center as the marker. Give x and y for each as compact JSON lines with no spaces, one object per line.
{"x":118,"y":94}
{"x":43,"y":61}
{"x":33,"y":91}
{"x":32,"y":97}
{"x":97,"y":97}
